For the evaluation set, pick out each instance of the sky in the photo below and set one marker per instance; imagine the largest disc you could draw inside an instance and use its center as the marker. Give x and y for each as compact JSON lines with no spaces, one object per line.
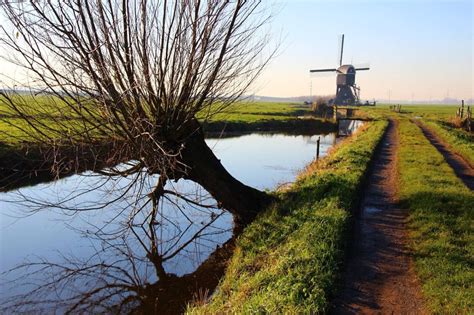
{"x":417,"y":50}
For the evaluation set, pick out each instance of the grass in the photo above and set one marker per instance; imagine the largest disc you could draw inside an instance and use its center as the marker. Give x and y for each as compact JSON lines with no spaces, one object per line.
{"x":249,"y":112}
{"x":431,"y":111}
{"x":441,"y":223}
{"x":460,"y":141}
{"x":261,"y":116}
{"x":287,"y":260}
{"x":243,"y":113}
{"x":240,"y":117}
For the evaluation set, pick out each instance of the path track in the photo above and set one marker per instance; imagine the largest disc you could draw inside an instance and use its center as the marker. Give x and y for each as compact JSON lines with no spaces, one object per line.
{"x":462,"y":169}
{"x":379,"y":276}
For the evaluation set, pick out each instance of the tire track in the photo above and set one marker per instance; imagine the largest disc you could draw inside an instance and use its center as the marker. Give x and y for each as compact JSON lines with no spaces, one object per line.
{"x":461,"y":168}
{"x":379,"y":277}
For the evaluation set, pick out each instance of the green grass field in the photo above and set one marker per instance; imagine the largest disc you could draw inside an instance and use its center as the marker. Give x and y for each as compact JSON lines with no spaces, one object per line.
{"x":11,"y":129}
{"x":441,"y":224}
{"x":251,"y":112}
{"x":430,"y":111}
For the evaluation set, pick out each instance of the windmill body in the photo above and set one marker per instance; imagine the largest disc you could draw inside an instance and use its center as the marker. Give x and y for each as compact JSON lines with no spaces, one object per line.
{"x":347,"y":92}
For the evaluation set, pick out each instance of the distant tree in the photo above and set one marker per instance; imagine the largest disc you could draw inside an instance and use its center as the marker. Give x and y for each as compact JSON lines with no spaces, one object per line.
{"x":321,"y":106}
{"x":135,"y":76}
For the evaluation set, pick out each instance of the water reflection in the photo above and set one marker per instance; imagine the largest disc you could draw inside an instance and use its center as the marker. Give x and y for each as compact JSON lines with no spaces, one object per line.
{"x":124,"y":274}
{"x":346,"y":127}
{"x":99,"y":248}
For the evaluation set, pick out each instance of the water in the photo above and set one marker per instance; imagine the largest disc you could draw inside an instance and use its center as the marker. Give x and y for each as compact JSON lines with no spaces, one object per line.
{"x":347,"y":126}
{"x":100,"y":225}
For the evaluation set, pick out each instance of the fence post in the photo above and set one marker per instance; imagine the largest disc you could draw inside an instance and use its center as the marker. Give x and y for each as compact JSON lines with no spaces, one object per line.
{"x":317,"y":147}
{"x":469,"y":119}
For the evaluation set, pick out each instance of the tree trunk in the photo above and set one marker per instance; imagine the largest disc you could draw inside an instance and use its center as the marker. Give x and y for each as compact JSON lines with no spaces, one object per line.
{"x":205,"y":168}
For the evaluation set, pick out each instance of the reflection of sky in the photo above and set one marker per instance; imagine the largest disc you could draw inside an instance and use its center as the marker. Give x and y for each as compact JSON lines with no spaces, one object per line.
{"x":262,"y":161}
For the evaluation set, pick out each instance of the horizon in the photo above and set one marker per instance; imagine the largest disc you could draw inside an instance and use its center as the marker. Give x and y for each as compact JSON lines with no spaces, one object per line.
{"x":445,"y":101}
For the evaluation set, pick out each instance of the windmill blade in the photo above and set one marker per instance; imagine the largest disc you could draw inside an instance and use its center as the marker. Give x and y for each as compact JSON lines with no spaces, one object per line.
{"x":322,"y":70}
{"x":341,"y":48}
{"x":362,"y":66}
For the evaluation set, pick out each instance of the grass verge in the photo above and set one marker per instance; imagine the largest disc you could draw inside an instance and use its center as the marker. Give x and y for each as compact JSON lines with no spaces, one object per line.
{"x":459,"y":141}
{"x":287,"y":260}
{"x":440,"y":223}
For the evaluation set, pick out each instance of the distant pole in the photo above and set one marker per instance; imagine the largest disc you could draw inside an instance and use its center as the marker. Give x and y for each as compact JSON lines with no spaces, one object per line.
{"x":317,"y":147}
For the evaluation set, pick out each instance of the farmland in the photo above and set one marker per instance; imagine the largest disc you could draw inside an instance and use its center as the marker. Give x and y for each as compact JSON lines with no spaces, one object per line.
{"x":291,"y":258}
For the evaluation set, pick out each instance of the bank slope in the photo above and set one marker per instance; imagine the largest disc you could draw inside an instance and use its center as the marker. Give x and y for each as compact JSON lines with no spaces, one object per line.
{"x":288,"y":259}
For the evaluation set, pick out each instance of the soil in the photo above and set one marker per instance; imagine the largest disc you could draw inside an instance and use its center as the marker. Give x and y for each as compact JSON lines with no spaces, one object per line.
{"x":379,"y":277}
{"x":461,"y":167}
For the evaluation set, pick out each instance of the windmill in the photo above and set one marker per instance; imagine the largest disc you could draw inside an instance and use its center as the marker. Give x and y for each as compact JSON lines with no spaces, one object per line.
{"x":347,"y":92}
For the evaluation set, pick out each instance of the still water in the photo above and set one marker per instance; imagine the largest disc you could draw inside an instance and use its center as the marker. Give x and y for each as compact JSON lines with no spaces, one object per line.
{"x":99,"y":225}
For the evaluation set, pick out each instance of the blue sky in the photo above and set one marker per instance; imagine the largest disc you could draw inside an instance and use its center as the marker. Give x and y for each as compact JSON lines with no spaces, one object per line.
{"x":419,"y":49}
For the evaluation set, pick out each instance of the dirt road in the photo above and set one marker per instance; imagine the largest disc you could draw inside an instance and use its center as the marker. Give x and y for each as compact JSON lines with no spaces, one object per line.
{"x":379,"y":277}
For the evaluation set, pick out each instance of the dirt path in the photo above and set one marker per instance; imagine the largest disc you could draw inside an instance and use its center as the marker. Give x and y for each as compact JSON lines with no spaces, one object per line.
{"x":379,"y":278}
{"x":462,"y":169}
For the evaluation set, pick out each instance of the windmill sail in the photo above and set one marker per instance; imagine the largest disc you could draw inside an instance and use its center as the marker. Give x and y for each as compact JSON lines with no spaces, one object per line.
{"x":342,"y":49}
{"x":323,"y":70}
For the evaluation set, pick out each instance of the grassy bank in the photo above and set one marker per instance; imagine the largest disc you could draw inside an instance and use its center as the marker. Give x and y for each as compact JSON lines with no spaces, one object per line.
{"x":287,"y":260}
{"x":291,"y":126}
{"x":459,"y":140}
{"x":250,"y":112}
{"x":240,"y":117}
{"x":441,"y":223}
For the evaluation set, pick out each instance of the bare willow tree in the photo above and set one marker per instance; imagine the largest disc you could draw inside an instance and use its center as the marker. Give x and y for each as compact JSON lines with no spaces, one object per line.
{"x":132,"y":81}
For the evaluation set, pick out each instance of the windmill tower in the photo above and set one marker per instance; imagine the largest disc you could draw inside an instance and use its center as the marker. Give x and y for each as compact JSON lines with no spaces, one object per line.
{"x":347,"y":92}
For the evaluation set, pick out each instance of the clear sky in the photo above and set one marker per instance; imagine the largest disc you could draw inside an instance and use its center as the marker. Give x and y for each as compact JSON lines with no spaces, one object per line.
{"x":416,"y":49}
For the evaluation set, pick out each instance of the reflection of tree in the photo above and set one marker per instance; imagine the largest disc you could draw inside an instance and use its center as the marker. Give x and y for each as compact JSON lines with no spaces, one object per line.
{"x":127,"y":273}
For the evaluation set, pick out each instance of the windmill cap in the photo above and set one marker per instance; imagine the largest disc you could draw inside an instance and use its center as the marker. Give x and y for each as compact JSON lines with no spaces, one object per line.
{"x":346,"y":69}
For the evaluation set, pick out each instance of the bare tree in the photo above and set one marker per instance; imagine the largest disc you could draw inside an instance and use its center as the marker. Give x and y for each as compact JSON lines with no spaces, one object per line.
{"x":127,"y":81}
